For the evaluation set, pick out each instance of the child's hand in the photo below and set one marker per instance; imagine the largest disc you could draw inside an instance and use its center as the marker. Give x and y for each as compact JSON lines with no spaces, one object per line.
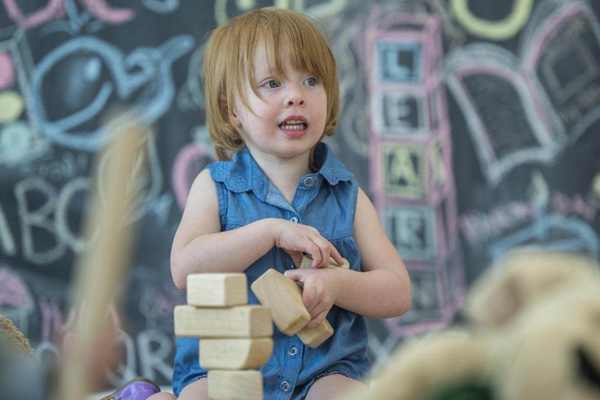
{"x":320,"y":291}
{"x":296,"y":239}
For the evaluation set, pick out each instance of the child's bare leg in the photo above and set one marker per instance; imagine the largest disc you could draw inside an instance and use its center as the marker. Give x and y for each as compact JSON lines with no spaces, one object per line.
{"x":162,"y":396}
{"x":333,"y":386}
{"x":195,"y":391}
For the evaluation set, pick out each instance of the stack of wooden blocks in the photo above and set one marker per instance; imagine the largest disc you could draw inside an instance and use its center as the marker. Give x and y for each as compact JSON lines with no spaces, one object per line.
{"x":236,"y":337}
{"x":284,"y":297}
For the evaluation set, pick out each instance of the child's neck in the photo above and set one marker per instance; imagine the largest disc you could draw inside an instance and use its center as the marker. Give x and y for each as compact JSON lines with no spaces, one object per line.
{"x":284,"y":173}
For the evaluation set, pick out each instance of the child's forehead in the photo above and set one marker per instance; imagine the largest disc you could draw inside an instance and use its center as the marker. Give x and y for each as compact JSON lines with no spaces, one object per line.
{"x":266,"y":57}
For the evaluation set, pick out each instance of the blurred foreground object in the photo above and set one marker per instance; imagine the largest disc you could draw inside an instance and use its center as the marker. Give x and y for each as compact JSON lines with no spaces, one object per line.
{"x":100,"y":272}
{"x":21,"y":377}
{"x":533,"y":334}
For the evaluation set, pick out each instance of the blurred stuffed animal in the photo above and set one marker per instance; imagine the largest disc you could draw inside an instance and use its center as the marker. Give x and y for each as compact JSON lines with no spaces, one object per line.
{"x":533,"y":334}
{"x":21,"y":377}
{"x":13,"y":340}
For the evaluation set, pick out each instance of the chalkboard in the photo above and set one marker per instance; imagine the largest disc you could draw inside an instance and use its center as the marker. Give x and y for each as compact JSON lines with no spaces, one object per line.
{"x":473,"y":126}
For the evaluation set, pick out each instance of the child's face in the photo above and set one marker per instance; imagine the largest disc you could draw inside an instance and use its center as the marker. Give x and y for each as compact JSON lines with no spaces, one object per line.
{"x":291,"y":118}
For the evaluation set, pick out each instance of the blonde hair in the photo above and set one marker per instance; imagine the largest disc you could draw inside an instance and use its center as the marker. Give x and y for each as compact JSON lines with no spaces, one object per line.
{"x":228,"y":60}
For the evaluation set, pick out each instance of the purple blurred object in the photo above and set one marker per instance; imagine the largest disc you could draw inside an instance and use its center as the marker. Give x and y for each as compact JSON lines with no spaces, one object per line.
{"x":136,"y":389}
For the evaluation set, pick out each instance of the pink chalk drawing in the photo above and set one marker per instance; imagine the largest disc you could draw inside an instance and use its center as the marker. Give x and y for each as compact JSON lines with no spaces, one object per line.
{"x":114,"y":16}
{"x":53,"y":10}
{"x":16,"y":301}
{"x":412,"y":179}
{"x":7,"y":69}
{"x":188,"y":164}
{"x":13,"y":291}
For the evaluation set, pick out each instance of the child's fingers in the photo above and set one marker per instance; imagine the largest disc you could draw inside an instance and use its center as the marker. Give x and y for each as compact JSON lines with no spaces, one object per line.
{"x":325,"y":248}
{"x":318,"y":256}
{"x":309,"y":297}
{"x":316,"y":321}
{"x":337,"y":256}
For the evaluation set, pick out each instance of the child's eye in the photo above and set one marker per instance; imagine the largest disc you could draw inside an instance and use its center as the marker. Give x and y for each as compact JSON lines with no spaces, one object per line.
{"x":312,"y":81}
{"x":272,"y":84}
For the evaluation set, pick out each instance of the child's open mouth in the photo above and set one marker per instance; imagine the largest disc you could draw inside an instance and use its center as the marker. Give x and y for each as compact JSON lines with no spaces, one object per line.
{"x":293,"y":125}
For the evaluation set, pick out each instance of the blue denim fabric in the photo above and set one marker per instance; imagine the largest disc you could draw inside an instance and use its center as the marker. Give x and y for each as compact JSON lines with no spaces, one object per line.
{"x":325,"y":200}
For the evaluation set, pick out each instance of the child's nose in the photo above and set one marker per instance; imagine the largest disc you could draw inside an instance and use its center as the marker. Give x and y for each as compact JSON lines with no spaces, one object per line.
{"x":294,"y":98}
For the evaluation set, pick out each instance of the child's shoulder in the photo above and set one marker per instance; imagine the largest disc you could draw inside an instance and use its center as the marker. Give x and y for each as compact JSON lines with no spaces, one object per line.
{"x":235,"y":174}
{"x":219,"y":170}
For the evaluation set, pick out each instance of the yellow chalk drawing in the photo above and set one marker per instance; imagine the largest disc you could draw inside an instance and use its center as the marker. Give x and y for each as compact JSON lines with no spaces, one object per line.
{"x":245,"y":5}
{"x":404,"y":170}
{"x":495,"y":30}
{"x":11,"y":106}
{"x":321,"y":10}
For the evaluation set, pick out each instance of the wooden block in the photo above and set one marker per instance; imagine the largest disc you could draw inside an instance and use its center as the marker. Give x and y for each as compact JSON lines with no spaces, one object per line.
{"x":314,"y":337}
{"x":217,"y":290}
{"x":307,"y":263}
{"x":234,"y":322}
{"x":284,"y":297}
{"x":235,"y":353}
{"x":235,"y":385}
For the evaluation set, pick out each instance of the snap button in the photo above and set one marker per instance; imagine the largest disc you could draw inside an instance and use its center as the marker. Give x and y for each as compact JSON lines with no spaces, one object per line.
{"x":285,"y":386}
{"x":294,"y":219}
{"x":309,"y":181}
{"x":293,"y":351}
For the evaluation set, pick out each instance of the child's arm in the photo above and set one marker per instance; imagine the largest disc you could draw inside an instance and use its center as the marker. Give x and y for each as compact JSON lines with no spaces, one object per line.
{"x":200,"y":246}
{"x":382,"y":290}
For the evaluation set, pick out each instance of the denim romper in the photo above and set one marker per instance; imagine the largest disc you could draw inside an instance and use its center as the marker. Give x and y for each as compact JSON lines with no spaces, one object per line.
{"x":325,"y":200}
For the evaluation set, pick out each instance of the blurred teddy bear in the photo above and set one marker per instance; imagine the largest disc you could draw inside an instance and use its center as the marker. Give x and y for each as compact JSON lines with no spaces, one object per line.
{"x":533,"y":333}
{"x":20,"y":376}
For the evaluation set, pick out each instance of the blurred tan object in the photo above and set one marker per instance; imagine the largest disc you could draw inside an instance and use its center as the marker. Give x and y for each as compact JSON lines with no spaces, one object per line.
{"x":520,"y":278}
{"x":100,"y":271}
{"x":534,"y":335}
{"x":10,"y":335}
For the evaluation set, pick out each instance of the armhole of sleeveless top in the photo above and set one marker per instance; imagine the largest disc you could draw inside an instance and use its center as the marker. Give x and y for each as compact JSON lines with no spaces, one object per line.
{"x":223,"y":199}
{"x":354,"y":200}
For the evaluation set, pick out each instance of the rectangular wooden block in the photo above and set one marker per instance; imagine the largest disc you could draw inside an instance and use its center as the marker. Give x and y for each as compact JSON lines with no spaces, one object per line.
{"x":314,"y":337}
{"x":235,"y":385}
{"x":284,"y":297}
{"x":217,"y":290}
{"x":234,"y":322}
{"x":235,"y":353}
{"x":307,"y":263}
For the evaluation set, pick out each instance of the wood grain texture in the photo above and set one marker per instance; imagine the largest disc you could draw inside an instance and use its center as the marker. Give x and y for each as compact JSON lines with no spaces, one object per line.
{"x":307,"y":263}
{"x":284,"y":297}
{"x":217,"y":290}
{"x":234,"y":322}
{"x":314,"y":337}
{"x":235,"y":353}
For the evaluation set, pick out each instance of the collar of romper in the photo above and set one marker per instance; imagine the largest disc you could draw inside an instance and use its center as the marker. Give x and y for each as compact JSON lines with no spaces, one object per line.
{"x":243,"y":173}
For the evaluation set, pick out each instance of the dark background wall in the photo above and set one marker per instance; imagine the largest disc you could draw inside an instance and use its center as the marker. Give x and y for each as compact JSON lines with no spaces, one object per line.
{"x":473,"y":126}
